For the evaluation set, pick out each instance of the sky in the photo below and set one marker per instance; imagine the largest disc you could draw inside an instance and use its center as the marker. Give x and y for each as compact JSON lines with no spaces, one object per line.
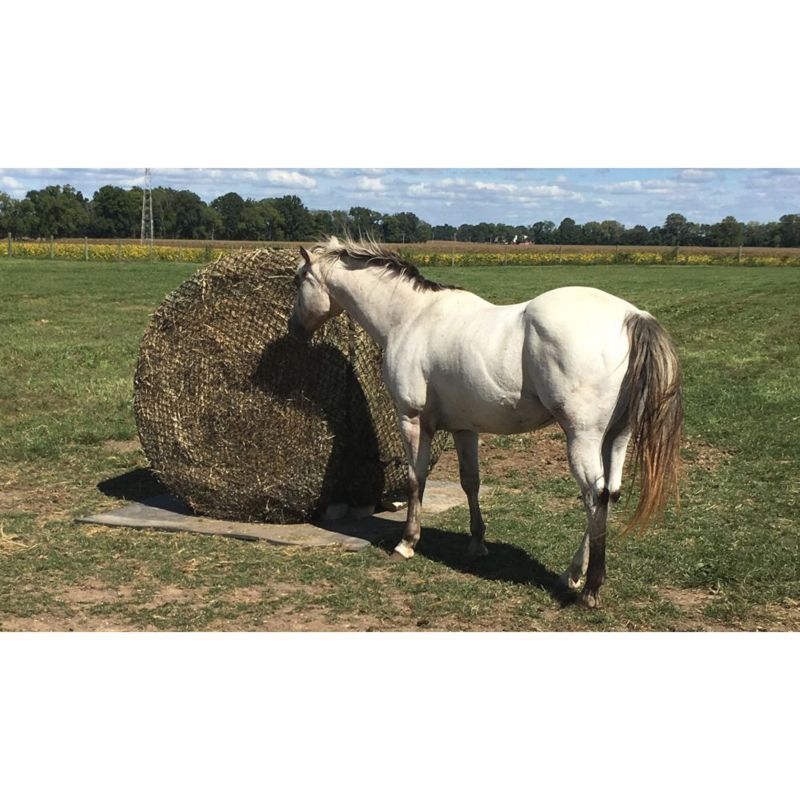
{"x":455,"y":196}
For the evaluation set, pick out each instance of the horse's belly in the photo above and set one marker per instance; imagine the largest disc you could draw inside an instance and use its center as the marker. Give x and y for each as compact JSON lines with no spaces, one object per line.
{"x":505,"y":415}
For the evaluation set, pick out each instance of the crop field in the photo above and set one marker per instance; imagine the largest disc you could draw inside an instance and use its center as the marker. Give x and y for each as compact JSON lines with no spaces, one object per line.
{"x":729,"y":559}
{"x":427,"y":254}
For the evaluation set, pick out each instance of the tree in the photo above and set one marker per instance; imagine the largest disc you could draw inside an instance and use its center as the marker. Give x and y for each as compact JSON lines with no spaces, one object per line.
{"x":465,"y":233}
{"x":762,"y":234}
{"x":443,"y":232}
{"x":115,"y":213}
{"x":402,"y":227}
{"x":638,"y":234}
{"x":229,"y":207}
{"x":366,"y":222}
{"x":57,"y":211}
{"x":543,"y":232}
{"x":591,"y":233}
{"x":297,"y":222}
{"x":190,"y":216}
{"x":790,"y":230}
{"x":8,"y":207}
{"x":728,"y":233}
{"x":674,"y":229}
{"x":611,"y":231}
{"x":569,"y":232}
{"x":261,"y":220}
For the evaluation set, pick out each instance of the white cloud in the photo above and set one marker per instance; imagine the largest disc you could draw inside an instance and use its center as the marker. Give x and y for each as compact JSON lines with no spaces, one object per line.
{"x":370,"y":184}
{"x":697,"y":175}
{"x":655,"y":186}
{"x":290,"y":179}
{"x":12,"y":186}
{"x":505,"y":188}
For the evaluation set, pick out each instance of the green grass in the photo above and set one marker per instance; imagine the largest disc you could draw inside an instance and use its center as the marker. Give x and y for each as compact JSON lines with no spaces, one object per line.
{"x":730,"y":559}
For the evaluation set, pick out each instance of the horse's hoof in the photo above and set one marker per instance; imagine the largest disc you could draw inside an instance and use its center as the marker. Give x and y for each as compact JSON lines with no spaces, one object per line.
{"x":590,"y":599}
{"x":476,"y":551}
{"x":396,"y":556}
{"x":570,"y":582}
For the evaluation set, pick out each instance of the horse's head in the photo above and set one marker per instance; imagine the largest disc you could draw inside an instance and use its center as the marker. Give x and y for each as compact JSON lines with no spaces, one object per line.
{"x":313,"y":305}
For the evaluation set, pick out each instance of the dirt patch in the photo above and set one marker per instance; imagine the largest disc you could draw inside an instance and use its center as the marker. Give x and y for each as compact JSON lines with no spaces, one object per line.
{"x":77,"y":622}
{"x":783,"y":616}
{"x":96,"y":594}
{"x":702,"y":455}
{"x":543,"y":451}
{"x":45,"y":501}
{"x":125,"y":446}
{"x":685,"y":599}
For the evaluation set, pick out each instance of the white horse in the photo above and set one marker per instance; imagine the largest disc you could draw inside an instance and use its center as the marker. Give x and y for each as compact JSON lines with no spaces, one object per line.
{"x":604,"y":370}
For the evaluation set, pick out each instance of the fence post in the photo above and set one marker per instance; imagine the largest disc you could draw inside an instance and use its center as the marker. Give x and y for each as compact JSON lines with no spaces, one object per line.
{"x":9,"y":245}
{"x":85,"y":248}
{"x":559,"y":254}
{"x":740,"y":254}
{"x":119,"y":251}
{"x":51,"y":246}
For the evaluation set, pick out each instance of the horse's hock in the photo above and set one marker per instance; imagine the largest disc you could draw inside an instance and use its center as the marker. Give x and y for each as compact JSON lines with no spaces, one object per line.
{"x":242,"y":422}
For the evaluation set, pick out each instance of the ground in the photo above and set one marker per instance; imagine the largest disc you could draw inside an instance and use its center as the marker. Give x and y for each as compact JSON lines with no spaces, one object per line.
{"x":729,"y":559}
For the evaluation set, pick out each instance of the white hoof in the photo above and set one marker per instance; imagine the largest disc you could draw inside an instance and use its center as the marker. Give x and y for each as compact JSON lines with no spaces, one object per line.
{"x":569,"y":581}
{"x":405,"y":550}
{"x":476,"y":549}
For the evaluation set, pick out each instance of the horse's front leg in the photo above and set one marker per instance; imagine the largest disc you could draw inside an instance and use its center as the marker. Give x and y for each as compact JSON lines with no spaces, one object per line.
{"x":469,"y":473}
{"x":417,"y":441}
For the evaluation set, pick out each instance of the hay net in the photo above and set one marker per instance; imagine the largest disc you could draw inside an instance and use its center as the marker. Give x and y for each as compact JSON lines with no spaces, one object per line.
{"x":243,"y":422}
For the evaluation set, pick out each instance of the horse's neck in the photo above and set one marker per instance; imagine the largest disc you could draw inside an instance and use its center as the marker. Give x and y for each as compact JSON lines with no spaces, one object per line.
{"x":378,"y":301}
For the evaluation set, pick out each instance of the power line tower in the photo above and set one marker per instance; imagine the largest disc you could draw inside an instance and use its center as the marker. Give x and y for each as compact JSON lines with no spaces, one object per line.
{"x":147,"y":211}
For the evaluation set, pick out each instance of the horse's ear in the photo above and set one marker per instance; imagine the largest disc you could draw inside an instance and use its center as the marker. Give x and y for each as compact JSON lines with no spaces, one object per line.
{"x":306,"y":256}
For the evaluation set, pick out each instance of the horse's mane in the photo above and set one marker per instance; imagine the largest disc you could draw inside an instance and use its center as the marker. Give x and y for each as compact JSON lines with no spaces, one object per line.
{"x":370,"y":252}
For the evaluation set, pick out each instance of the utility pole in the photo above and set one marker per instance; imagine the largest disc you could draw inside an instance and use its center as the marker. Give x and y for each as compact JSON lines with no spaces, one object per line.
{"x":147,"y":211}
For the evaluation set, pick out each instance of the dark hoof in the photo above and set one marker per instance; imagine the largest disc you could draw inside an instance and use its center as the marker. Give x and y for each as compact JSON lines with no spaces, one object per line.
{"x":399,"y":557}
{"x":590,"y":599}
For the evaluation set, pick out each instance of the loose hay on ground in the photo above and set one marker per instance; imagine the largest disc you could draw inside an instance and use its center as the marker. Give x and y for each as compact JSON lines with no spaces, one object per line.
{"x":243,"y":422}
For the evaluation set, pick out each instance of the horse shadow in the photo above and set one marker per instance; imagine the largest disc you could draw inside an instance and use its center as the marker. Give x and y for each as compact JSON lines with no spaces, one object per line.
{"x":505,"y":562}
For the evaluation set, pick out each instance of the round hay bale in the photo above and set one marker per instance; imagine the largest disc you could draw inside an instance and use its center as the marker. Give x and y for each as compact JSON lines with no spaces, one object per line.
{"x":243,"y":422}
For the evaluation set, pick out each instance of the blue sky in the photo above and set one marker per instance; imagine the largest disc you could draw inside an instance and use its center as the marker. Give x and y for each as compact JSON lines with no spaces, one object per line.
{"x":512,"y":196}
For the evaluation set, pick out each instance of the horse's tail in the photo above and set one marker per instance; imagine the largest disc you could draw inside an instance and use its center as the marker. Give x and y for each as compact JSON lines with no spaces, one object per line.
{"x":652,"y":391}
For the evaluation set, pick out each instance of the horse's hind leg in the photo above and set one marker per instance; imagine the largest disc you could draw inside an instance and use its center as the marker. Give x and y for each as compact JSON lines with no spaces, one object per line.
{"x":586,"y":462}
{"x":469,"y":473}
{"x":417,"y":441}
{"x":576,"y":571}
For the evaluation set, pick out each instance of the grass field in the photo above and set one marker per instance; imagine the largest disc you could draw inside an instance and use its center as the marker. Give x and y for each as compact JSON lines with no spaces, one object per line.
{"x":729,"y":560}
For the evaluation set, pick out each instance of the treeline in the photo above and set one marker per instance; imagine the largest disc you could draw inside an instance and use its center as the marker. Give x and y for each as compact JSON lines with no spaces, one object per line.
{"x":113,"y":212}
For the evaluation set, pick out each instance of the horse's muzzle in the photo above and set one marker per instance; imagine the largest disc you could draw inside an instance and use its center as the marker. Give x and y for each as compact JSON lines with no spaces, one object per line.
{"x":297,"y":330}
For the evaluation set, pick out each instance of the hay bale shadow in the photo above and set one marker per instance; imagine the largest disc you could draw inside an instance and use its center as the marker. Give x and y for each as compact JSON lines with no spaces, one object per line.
{"x":138,"y":484}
